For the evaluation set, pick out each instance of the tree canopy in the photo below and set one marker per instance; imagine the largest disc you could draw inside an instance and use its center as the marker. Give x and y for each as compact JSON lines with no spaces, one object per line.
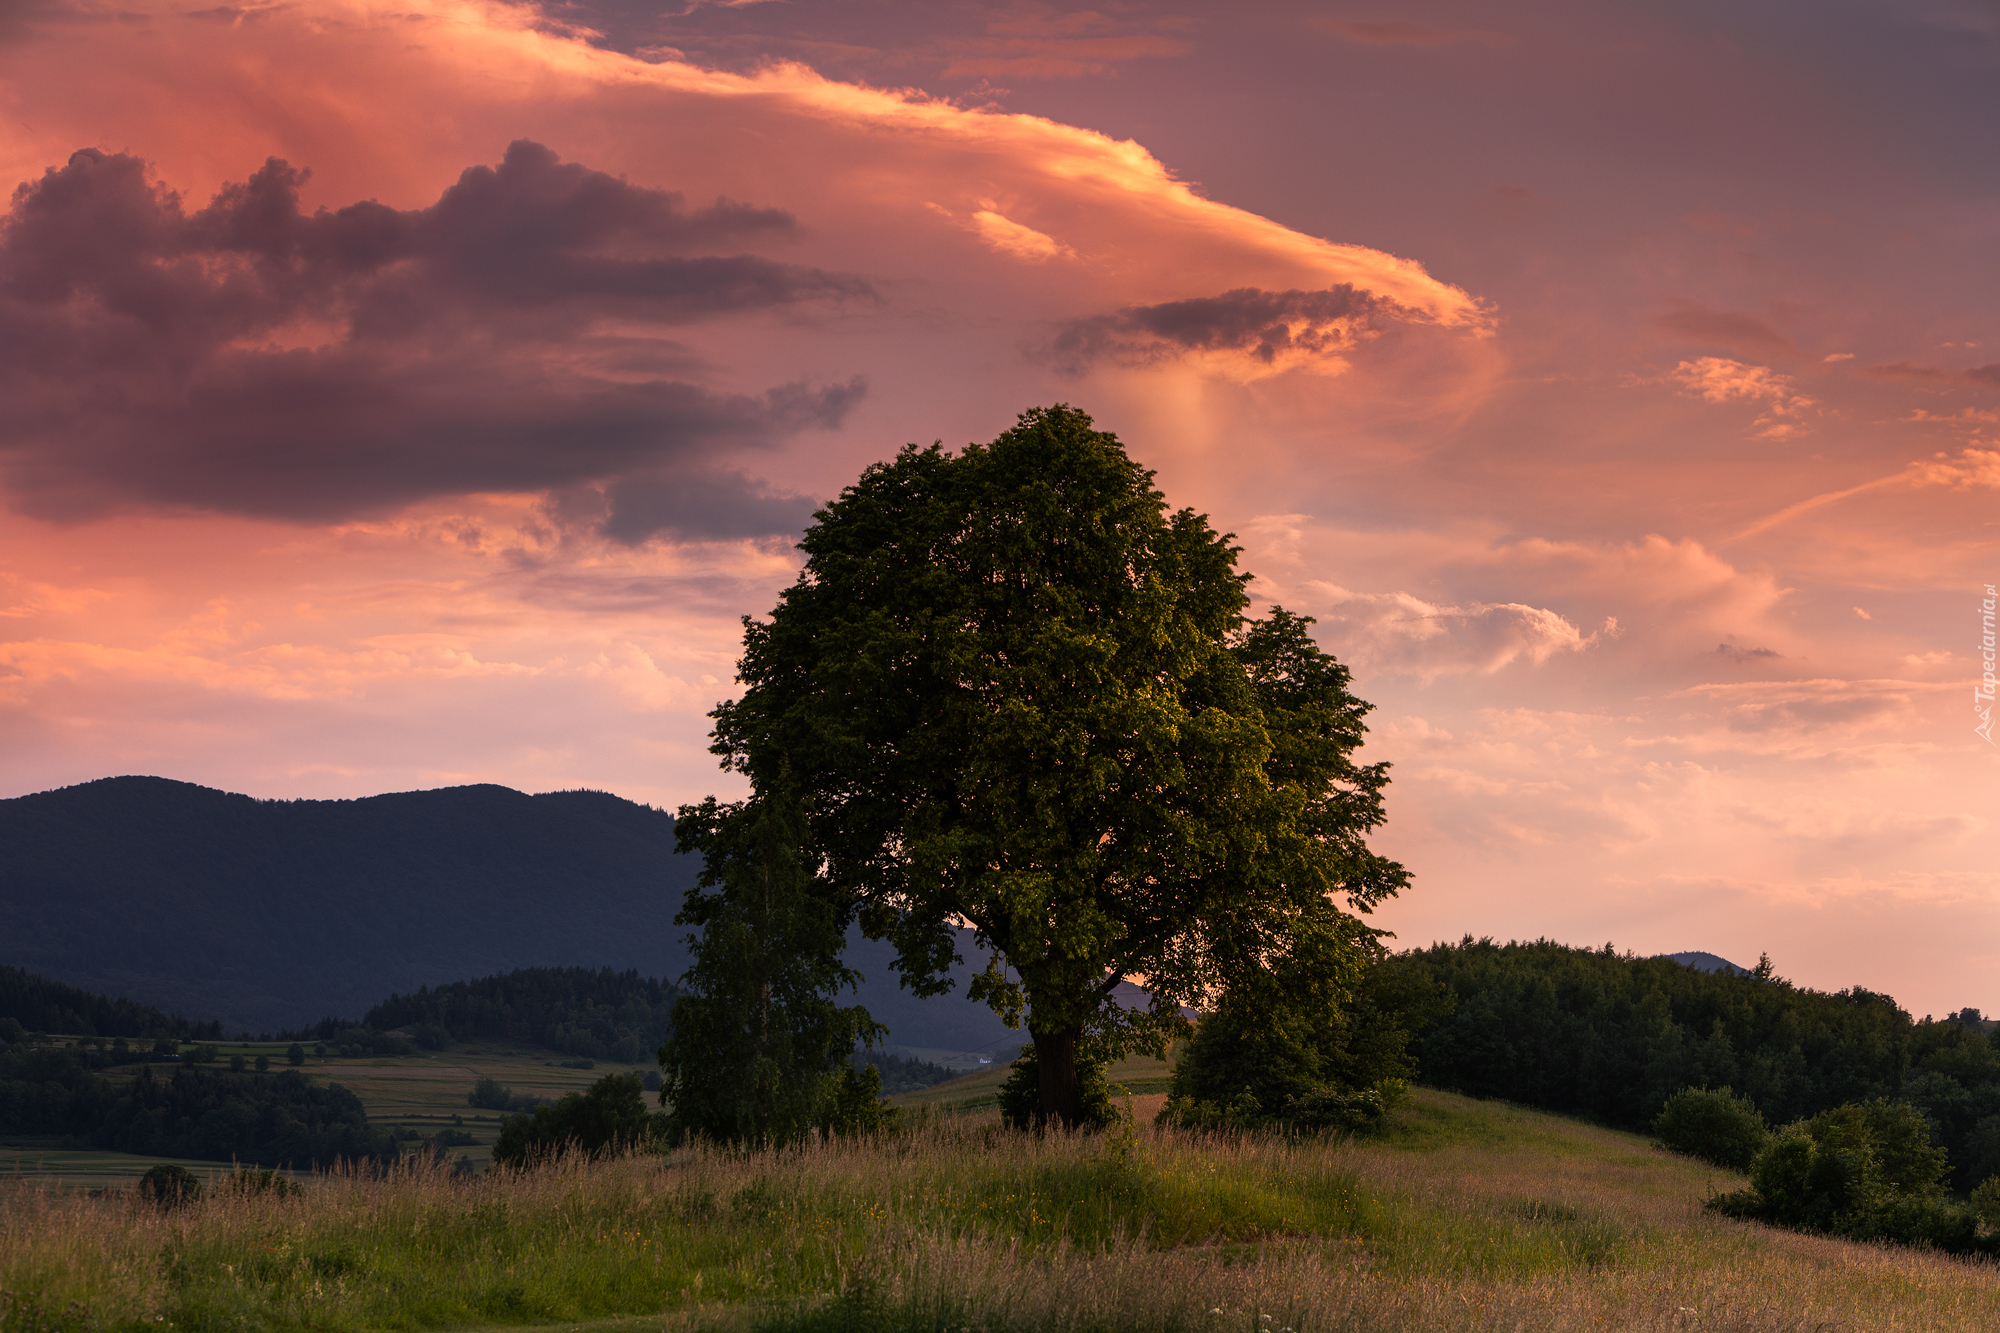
{"x":1013,"y":689}
{"x":759,"y":1052}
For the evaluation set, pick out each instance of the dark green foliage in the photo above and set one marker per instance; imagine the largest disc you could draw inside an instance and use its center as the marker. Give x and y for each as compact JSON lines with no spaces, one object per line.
{"x":1015,"y":690}
{"x":901,"y":1074}
{"x":1021,"y":1095}
{"x":1713,"y":1124}
{"x":609,"y":1117}
{"x":168,"y":1187}
{"x":593,"y":1013}
{"x":164,"y":890}
{"x":1954,"y":1078}
{"x":1867,"y":1171}
{"x":266,"y":1119}
{"x":295,"y":1055}
{"x":39,"y":1004}
{"x":1610,"y":1036}
{"x":758,"y":1046}
{"x":1259,"y":1062}
{"x":489,"y":1094}
{"x":858,"y":1107}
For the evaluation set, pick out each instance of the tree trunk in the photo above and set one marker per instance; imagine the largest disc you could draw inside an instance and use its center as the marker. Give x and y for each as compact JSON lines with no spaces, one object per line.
{"x":1062,"y":1090}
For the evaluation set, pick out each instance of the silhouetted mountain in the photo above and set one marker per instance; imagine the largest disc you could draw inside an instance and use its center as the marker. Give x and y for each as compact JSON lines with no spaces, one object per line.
{"x":1707,"y":962}
{"x":41,"y":1005}
{"x":273,"y":914}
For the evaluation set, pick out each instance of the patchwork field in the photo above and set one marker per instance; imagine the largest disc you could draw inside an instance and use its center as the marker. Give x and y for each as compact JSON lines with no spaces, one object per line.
{"x":419,"y":1093}
{"x":1463,"y":1216}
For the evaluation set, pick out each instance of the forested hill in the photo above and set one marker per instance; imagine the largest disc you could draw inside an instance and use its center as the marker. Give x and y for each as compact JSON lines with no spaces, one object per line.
{"x":273,"y":914}
{"x":269,"y":914}
{"x":597,"y":1013}
{"x":41,"y":1005}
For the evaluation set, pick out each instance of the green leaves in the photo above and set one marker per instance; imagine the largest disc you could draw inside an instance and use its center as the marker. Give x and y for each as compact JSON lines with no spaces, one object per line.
{"x":758,"y":1043}
{"x":1014,"y":690}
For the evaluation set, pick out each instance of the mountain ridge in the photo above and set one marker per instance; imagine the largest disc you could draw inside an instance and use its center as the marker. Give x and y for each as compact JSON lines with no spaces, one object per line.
{"x":269,"y":914}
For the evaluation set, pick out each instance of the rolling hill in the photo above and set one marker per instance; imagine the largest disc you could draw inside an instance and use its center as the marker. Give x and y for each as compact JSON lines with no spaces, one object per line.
{"x":271,"y":914}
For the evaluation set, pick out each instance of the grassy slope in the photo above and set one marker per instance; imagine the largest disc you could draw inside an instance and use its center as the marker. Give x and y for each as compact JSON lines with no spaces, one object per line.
{"x":1467,"y":1216}
{"x":981,"y":1091}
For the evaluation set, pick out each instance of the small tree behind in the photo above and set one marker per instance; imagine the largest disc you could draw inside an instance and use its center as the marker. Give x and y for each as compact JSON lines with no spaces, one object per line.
{"x":608,"y":1118}
{"x":758,"y":1046}
{"x":1715,"y":1125}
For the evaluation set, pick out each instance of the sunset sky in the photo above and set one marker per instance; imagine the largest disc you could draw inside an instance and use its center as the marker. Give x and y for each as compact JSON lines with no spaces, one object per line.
{"x":395,"y":396}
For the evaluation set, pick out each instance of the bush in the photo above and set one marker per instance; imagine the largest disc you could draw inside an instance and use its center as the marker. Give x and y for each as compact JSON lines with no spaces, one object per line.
{"x":1339,"y":1069}
{"x":858,"y":1107}
{"x":1021,"y":1094}
{"x":1866,"y":1171}
{"x":489,"y":1094}
{"x":608,"y":1118}
{"x":1714,"y":1125}
{"x":295,"y":1054}
{"x":168,"y":1187}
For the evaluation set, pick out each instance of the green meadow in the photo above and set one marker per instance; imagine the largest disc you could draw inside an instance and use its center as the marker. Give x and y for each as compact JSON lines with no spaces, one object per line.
{"x":1463,"y":1215}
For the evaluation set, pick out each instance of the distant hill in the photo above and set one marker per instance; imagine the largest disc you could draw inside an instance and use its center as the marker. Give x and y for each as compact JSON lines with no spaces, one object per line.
{"x":1707,"y":962}
{"x":274,"y":914}
{"x":41,"y":1005}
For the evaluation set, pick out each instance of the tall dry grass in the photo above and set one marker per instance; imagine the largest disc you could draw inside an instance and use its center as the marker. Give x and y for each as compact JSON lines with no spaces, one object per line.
{"x":1469,"y":1216}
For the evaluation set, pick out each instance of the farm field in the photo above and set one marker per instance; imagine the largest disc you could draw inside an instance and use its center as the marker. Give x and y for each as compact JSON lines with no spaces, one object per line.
{"x":1464,"y":1215}
{"x":420,"y":1093}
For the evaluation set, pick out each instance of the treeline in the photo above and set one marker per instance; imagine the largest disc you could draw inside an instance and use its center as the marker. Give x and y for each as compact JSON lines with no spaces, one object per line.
{"x":280,"y":1119}
{"x":38,"y":1004}
{"x":595,"y":1013}
{"x":1610,"y":1036}
{"x":902,"y":1073}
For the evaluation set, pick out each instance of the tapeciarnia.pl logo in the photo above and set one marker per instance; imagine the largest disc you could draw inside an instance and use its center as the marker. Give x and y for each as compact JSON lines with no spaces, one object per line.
{"x":1982,"y":693}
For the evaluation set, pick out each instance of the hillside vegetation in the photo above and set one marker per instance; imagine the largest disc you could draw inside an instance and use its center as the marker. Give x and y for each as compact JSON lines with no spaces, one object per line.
{"x":592,"y":1012}
{"x":37,"y":1004}
{"x":1609,"y":1036}
{"x":1462,"y":1216}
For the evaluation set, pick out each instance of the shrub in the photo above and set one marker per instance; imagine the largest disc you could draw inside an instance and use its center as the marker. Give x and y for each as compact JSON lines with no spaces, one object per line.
{"x":1714,"y":1125}
{"x":169,"y":1187}
{"x":1021,"y":1094}
{"x":1866,"y":1171}
{"x":1337,"y":1069}
{"x":295,"y":1054}
{"x":1986,"y":1203}
{"x":858,"y":1107}
{"x":489,"y":1094}
{"x":608,"y":1118}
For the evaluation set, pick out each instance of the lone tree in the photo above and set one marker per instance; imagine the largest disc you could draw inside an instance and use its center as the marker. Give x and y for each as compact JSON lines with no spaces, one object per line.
{"x":1013,"y":690}
{"x":759,"y":1052}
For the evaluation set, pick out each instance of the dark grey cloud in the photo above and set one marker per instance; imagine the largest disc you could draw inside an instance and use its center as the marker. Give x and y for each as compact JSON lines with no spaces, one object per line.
{"x":249,"y":357}
{"x":1742,"y":656}
{"x":691,"y":506}
{"x":1723,"y":328}
{"x":1910,"y":370}
{"x":1263,"y":324}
